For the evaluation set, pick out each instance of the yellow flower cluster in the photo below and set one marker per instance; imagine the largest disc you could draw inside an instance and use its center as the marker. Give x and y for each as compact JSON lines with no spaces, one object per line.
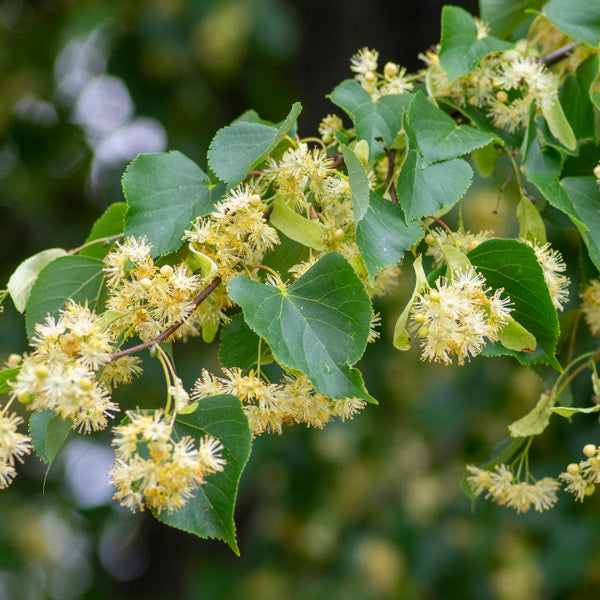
{"x":458,"y":317}
{"x":506,"y":84}
{"x":147,"y":299}
{"x":13,"y":445}
{"x":393,"y":80}
{"x":581,"y":479}
{"x":172,"y":471}
{"x":269,"y":406}
{"x":61,"y":374}
{"x":465,"y":241}
{"x":502,"y":488}
{"x":553,"y":267}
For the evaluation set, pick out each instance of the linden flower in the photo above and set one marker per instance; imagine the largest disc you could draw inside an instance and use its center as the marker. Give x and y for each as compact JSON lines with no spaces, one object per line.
{"x":590,"y":298}
{"x":553,"y":267}
{"x":502,"y":489}
{"x":269,"y":406}
{"x":168,"y":472}
{"x":465,"y":241}
{"x":364,"y":61}
{"x":13,"y":446}
{"x":457,"y":317}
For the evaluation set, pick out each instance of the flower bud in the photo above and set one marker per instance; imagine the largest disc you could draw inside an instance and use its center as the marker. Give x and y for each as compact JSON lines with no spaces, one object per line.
{"x":390,"y":69}
{"x":166,"y":271}
{"x":502,"y":96}
{"x":146,"y":283}
{"x":573,"y":469}
{"x":597,"y":171}
{"x":590,"y":450}
{"x":42,"y":372}
{"x":85,"y":383}
{"x":25,"y":398}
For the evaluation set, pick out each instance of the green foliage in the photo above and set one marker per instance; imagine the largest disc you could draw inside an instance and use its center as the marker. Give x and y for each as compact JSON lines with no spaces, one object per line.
{"x":299,"y":322}
{"x":164,"y":193}
{"x":461,"y":49}
{"x":48,"y":434}
{"x":244,"y":145}
{"x":210,"y":512}
{"x":373,"y":119}
{"x":76,"y":278}
{"x":513,"y":266}
{"x":331,"y":220}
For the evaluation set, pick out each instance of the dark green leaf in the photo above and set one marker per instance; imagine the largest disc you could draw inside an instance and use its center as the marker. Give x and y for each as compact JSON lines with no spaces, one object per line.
{"x":460,"y":50}
{"x":110,"y":223}
{"x":319,"y":325}
{"x":373,"y":119}
{"x":382,"y":235}
{"x":439,"y":137}
{"x":576,"y":98}
{"x":78,"y":278}
{"x":165,"y":192}
{"x":48,"y":434}
{"x":240,"y":345}
{"x":584,"y":195}
{"x":423,"y":191}
{"x":512,"y":265}
{"x":579,"y":19}
{"x":243,"y":145}
{"x":209,"y":514}
{"x":504,"y":17}
{"x":286,"y":255}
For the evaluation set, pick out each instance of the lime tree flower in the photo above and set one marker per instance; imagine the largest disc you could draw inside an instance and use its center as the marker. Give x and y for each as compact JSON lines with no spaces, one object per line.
{"x":458,"y":317}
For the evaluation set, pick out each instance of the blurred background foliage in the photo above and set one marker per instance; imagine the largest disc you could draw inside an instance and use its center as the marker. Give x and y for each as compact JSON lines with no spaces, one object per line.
{"x":365,"y":510}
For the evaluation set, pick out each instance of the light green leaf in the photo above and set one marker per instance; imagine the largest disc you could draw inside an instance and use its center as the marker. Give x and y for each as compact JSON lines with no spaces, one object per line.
{"x":165,"y":192}
{"x":295,"y":226}
{"x":558,"y":124}
{"x":110,"y":223}
{"x":536,"y":420}
{"x":48,"y":434}
{"x":569,"y":411}
{"x":485,"y":159}
{"x":438,"y":135}
{"x":423,"y":191}
{"x":209,"y":513}
{"x":373,"y":119}
{"x":201,"y":263}
{"x":319,"y":325}
{"x":22,"y":280}
{"x":244,"y":145}
{"x":7,"y":375}
{"x":401,"y":337}
{"x":512,"y":265}
{"x":514,"y":336}
{"x":530,"y":222}
{"x":455,"y":259}
{"x":460,"y":50}
{"x":240,"y":346}
{"x":504,"y":17}
{"x":382,"y":234}
{"x":78,"y":278}
{"x":579,"y":19}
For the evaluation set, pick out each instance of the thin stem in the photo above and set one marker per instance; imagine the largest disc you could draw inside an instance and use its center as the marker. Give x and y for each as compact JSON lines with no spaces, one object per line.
{"x":110,"y":238}
{"x":166,"y":364}
{"x":194,"y":304}
{"x":558,"y":55}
